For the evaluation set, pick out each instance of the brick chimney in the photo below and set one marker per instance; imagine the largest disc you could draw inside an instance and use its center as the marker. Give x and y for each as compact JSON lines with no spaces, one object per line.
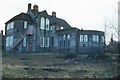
{"x":54,"y":14}
{"x":29,"y":6}
{"x":35,"y":7}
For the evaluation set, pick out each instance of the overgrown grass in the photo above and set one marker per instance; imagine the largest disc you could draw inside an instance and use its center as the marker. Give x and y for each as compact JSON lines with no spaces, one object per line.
{"x":49,"y":65}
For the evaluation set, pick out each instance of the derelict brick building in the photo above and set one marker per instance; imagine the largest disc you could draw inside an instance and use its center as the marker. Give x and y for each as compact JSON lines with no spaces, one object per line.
{"x":36,"y":31}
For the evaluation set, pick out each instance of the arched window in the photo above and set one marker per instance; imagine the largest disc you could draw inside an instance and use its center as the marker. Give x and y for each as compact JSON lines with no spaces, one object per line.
{"x":64,"y":40}
{"x":85,"y":38}
{"x":47,"y":24}
{"x":42,"y":23}
{"x":64,"y":37}
{"x":68,"y":36}
{"x":81,"y":38}
{"x":93,"y":38}
{"x":68,"y":40}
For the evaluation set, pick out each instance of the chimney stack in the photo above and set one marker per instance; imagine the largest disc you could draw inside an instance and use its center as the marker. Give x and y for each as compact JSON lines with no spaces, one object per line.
{"x":54,"y":14}
{"x":2,"y":32}
{"x":35,"y":7}
{"x":29,"y":6}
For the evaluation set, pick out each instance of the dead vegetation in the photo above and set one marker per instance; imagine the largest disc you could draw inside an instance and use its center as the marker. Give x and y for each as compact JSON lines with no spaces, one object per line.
{"x":49,"y":65}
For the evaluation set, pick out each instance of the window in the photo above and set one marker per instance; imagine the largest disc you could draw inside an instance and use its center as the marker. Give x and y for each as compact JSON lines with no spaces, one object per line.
{"x":42,"y":23}
{"x":9,"y":41}
{"x":64,"y":40}
{"x":47,"y":24}
{"x":81,"y":38}
{"x":41,"y":41}
{"x":61,"y":27}
{"x":68,"y":40}
{"x":68,"y":36}
{"x":95,"y":38}
{"x":25,"y":24}
{"x":10,"y":25}
{"x":85,"y":38}
{"x":103,"y":39}
{"x":47,"y":42}
{"x":24,"y":41}
{"x":52,"y":27}
{"x":64,"y":37}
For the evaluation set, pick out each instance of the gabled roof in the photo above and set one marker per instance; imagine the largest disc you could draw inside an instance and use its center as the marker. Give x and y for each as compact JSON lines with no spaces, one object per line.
{"x":43,"y":12}
{"x":21,"y":16}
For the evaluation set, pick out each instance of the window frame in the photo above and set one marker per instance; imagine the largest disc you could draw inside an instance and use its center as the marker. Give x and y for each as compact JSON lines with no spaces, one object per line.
{"x":41,"y":41}
{"x":42,"y":23}
{"x":25,"y":42}
{"x":25,"y":24}
{"x":10,"y":25}
{"x":47,"y":24}
{"x":46,"y":42}
{"x":81,"y":38}
{"x":85,"y":38}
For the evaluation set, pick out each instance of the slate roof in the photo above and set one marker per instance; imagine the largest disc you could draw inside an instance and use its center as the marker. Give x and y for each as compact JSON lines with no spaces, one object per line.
{"x":81,"y":31}
{"x":59,"y":21}
{"x":27,"y":17}
{"x":21,"y":16}
{"x":55,"y":20}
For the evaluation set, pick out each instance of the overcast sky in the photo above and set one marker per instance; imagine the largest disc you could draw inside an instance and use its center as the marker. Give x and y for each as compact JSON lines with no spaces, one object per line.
{"x":86,"y":14}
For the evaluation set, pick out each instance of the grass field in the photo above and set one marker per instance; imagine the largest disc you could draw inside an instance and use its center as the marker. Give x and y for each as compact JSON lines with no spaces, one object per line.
{"x":49,"y":65}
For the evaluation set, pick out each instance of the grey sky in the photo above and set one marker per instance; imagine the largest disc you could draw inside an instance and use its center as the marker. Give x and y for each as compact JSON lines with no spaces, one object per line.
{"x":86,"y":14}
